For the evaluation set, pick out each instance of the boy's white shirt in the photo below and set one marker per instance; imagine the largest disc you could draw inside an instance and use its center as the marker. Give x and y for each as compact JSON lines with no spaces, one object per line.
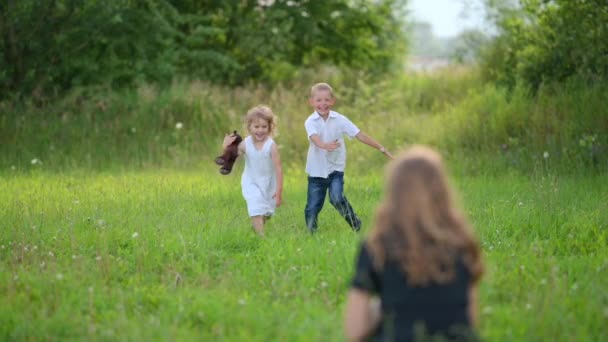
{"x":319,"y":162}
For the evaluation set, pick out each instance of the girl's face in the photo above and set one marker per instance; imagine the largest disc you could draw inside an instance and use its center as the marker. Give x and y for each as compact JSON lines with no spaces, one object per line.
{"x":322,"y":101}
{"x":259,"y":129}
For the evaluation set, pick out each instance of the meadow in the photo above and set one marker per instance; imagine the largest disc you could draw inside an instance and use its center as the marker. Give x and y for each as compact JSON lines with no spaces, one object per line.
{"x":116,"y":225}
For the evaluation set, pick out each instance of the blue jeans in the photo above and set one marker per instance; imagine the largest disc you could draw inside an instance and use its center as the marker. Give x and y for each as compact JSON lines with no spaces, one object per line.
{"x":317,"y":189}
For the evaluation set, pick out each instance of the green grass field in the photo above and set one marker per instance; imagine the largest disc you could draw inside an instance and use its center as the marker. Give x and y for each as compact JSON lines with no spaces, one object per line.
{"x":169,"y":255}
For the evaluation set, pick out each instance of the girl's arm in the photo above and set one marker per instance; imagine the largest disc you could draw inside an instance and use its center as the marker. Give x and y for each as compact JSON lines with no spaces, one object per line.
{"x":362,"y":315}
{"x":366,"y":139}
{"x":473,"y":302}
{"x":276,"y":160}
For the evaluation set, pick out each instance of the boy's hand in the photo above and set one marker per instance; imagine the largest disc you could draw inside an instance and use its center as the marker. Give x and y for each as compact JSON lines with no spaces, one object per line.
{"x":228,"y":139}
{"x":331,"y":146}
{"x":386,"y":152}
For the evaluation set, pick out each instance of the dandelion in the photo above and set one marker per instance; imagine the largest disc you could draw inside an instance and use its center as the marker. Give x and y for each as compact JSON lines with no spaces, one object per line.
{"x":135,"y":235}
{"x":179,"y":125}
{"x":546,"y":155}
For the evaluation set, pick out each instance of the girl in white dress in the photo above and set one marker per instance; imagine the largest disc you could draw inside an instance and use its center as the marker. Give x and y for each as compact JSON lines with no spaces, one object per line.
{"x":262,"y":180}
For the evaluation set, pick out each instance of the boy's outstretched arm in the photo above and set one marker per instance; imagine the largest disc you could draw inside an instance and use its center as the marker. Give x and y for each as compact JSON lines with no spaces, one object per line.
{"x":366,"y":139}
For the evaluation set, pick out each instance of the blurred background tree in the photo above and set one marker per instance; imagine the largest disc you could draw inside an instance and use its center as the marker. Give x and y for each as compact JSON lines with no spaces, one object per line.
{"x":47,"y":47}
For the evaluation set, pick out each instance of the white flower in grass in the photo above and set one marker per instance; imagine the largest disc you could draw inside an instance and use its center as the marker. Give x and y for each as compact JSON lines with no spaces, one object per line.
{"x":528,"y":306}
{"x":546,"y":155}
{"x":179,"y":125}
{"x":242,"y":301}
{"x":98,"y":258}
{"x":135,"y":235}
{"x":59,"y":276}
{"x":13,"y":167}
{"x":323,"y":284}
{"x":36,"y":161}
{"x":2,"y":247}
{"x":133,"y":130}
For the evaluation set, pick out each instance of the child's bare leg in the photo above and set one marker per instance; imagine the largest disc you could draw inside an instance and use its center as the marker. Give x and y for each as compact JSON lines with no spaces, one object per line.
{"x":258,"y":224}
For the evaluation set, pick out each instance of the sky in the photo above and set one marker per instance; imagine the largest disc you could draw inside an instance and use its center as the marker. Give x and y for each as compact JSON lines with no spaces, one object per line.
{"x":446,"y":16}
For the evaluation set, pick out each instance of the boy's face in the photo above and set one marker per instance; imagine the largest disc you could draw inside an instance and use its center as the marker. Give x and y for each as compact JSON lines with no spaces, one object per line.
{"x":322,"y":101}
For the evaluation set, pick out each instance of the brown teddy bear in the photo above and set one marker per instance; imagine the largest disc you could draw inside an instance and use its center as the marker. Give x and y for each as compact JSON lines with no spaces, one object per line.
{"x":231,"y":152}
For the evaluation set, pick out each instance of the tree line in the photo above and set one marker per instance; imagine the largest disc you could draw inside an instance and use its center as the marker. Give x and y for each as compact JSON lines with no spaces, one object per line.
{"x":54,"y":45}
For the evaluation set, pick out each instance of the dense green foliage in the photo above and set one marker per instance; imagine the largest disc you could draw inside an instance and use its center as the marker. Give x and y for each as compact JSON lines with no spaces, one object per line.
{"x":50,"y":46}
{"x":543,"y":41}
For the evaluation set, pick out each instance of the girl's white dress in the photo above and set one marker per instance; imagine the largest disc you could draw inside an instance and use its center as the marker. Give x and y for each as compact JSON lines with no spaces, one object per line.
{"x":259,"y":181}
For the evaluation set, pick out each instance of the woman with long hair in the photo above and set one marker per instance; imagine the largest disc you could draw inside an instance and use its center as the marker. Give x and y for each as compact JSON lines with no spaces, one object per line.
{"x":417,"y":272}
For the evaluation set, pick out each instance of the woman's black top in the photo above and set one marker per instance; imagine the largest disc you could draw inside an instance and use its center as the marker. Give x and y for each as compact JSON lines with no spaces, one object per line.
{"x":416,"y":313}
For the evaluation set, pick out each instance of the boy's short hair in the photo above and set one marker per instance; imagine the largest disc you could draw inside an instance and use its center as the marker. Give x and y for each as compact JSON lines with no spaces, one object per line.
{"x":321,"y":87}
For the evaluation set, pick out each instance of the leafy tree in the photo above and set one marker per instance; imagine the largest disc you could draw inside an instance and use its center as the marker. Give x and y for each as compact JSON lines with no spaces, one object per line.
{"x":50,"y":46}
{"x":548,"y":41}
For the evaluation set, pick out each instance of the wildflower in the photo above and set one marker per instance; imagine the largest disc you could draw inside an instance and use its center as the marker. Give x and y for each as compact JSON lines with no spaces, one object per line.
{"x":59,"y":276}
{"x":546,"y":155}
{"x":133,"y":130}
{"x":135,"y":235}
{"x":98,"y":258}
{"x":101,"y":222}
{"x":179,"y":125}
{"x":323,"y":284}
{"x":528,"y":306}
{"x":242,"y":301}
{"x":36,"y":161}
{"x":13,"y":167}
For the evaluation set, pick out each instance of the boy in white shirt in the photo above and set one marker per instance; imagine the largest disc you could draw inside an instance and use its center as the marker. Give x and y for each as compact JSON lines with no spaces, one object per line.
{"x":326,"y":158}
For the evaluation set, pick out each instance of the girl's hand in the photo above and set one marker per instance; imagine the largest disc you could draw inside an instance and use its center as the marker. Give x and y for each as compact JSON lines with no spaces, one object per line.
{"x":278,"y":199}
{"x":228,"y":139}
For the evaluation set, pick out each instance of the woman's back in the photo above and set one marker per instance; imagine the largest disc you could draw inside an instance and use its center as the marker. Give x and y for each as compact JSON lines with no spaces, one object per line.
{"x":410,"y":313}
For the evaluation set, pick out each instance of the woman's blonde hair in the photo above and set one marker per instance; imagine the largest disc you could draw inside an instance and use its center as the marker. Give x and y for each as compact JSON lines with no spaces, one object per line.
{"x":262,"y":112}
{"x":418,"y":225}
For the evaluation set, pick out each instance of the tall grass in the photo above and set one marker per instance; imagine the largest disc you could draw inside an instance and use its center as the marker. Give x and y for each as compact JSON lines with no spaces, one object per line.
{"x":479,"y":126}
